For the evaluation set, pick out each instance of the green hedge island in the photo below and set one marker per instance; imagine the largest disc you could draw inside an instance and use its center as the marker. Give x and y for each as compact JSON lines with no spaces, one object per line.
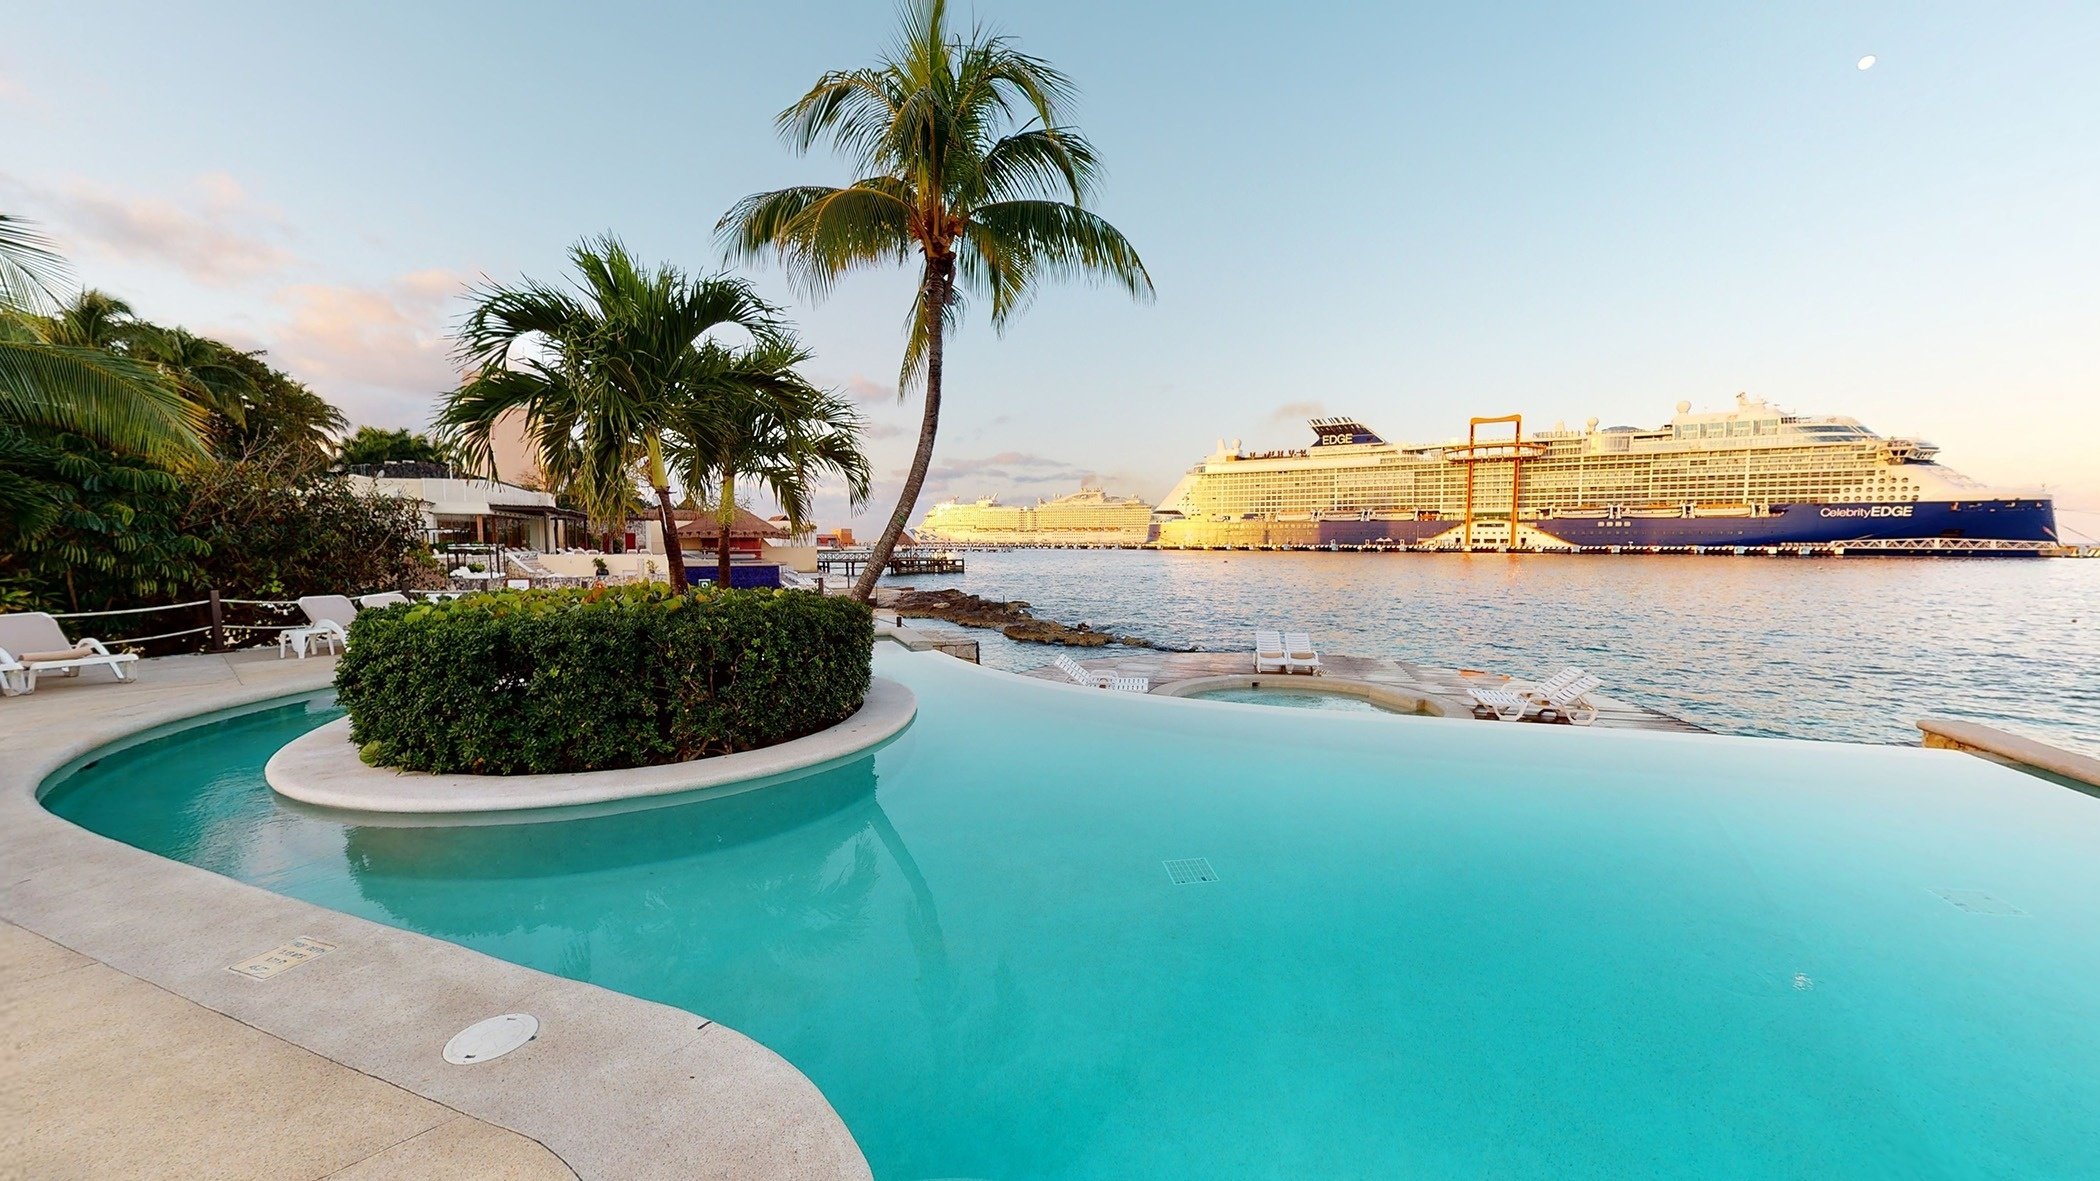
{"x":521,"y":682}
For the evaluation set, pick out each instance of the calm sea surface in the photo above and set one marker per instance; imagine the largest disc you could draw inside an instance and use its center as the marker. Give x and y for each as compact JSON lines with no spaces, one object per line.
{"x":1847,"y":648}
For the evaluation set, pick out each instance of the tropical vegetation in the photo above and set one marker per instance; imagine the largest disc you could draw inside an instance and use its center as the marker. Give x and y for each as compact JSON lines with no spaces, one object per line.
{"x":371,"y":446}
{"x":638,"y":370}
{"x":966,"y":160}
{"x":565,"y":681}
{"x":141,"y":463}
{"x":775,"y":429}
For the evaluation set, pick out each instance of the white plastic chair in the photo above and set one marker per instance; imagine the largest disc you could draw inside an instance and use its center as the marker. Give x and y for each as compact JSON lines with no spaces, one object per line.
{"x":1268,"y":653}
{"x":31,"y":642}
{"x":1298,"y":654}
{"x":327,"y":624}
{"x":1080,"y":676}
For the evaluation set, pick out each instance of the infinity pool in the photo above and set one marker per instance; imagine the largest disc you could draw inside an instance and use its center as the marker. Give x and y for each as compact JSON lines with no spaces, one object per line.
{"x":1432,"y":948}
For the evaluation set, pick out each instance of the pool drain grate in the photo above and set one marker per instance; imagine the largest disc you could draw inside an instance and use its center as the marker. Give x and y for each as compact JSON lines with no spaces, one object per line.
{"x":1187,"y":871}
{"x":1978,"y":902}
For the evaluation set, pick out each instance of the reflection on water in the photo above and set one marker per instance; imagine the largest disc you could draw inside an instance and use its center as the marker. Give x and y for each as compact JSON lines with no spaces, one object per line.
{"x":1849,"y":648}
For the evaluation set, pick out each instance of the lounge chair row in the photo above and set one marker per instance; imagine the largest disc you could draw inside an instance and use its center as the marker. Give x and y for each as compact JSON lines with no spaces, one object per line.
{"x":1285,"y":652}
{"x":1565,"y":694}
{"x":32,"y":643}
{"x":1078,"y":675}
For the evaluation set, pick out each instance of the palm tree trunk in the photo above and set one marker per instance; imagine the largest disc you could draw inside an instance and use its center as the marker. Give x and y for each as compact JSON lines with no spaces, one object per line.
{"x":725,"y":515}
{"x":940,"y":280}
{"x":661,"y":481}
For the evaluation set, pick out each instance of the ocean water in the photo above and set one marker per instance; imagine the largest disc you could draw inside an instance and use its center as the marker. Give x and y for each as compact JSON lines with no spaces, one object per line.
{"x":1427,"y":948}
{"x":1849,"y":648}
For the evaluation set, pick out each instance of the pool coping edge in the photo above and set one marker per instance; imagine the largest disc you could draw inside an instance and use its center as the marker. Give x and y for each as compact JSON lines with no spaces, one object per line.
{"x":616,"y":1086}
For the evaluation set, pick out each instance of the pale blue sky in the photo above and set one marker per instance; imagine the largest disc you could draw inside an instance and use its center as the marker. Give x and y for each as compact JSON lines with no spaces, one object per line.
{"x":1409,"y":214}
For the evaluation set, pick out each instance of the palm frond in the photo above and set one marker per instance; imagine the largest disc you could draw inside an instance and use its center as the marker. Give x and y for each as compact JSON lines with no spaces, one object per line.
{"x":118,"y":402}
{"x":31,"y":271}
{"x":1035,"y":239}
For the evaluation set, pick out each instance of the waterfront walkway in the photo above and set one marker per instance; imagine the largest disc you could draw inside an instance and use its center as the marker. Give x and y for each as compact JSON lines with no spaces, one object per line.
{"x":1444,"y":686}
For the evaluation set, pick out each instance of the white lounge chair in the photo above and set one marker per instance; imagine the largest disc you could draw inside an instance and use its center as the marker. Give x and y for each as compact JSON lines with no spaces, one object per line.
{"x":382,"y":599}
{"x":327,"y":623}
{"x":1298,"y":654}
{"x":1268,"y":653}
{"x":1130,"y":684}
{"x":1079,"y":676}
{"x":31,"y":642}
{"x":1565,"y":693}
{"x":1570,"y":700}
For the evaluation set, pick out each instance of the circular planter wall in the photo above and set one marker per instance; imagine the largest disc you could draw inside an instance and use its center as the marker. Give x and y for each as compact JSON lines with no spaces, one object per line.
{"x":322,"y":768}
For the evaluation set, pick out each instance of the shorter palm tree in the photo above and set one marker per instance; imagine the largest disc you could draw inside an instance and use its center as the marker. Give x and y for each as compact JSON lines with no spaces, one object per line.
{"x":766,"y":423}
{"x":602,"y":374}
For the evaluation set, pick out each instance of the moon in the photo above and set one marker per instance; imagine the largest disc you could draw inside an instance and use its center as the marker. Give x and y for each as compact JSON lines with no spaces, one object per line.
{"x":1867,"y":62}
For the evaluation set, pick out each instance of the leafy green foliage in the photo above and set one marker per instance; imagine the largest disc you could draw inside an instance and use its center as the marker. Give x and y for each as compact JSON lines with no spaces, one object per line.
{"x":622,"y":361}
{"x":94,"y":529}
{"x":513,"y":683}
{"x":371,"y":446}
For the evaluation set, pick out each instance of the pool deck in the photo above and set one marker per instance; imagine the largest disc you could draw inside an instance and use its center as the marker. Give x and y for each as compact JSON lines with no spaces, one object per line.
{"x":132,"y":1051}
{"x":1446,"y":687}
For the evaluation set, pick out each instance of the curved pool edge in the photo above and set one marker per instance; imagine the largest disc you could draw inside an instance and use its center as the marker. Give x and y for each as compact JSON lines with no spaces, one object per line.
{"x":1393,"y":701}
{"x":322,"y":769}
{"x":615,"y":1086}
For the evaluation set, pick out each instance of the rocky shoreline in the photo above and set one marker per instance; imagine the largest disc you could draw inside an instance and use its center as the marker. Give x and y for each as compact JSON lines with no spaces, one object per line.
{"x":1013,"y":619}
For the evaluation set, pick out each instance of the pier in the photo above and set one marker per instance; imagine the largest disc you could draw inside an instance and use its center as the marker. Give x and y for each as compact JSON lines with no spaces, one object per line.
{"x":851,"y":562}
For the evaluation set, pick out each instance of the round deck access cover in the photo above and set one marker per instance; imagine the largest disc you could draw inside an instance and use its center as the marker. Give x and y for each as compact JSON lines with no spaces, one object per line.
{"x":492,"y":1038}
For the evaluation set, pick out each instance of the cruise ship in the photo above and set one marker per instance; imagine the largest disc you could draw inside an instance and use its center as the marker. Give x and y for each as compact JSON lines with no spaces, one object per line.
{"x":1749,"y":477}
{"x":1086,"y":517}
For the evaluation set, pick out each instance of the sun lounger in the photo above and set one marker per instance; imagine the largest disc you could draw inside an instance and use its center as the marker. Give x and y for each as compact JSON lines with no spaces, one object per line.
{"x":1130,"y":684}
{"x":327,"y":623}
{"x":1570,"y":700}
{"x":1077,"y":675}
{"x":1564,"y":694}
{"x":1298,"y":654}
{"x":1268,"y":653}
{"x":31,"y":642}
{"x":382,"y":599}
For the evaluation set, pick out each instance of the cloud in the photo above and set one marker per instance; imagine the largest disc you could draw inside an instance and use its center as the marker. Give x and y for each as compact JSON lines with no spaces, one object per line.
{"x":881,"y":430}
{"x":382,"y":354}
{"x":213,"y":232}
{"x":863,"y":389}
{"x":1297,"y":411}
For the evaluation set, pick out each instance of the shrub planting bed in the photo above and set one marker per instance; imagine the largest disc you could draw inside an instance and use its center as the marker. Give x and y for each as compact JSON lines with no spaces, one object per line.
{"x":527,"y":682}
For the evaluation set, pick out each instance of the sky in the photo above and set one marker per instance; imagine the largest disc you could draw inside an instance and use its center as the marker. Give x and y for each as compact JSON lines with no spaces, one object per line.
{"x":1410,"y":214}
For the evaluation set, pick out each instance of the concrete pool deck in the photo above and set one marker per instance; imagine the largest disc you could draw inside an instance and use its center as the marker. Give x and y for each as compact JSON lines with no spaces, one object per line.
{"x":134,"y":1051}
{"x":1445,"y":688}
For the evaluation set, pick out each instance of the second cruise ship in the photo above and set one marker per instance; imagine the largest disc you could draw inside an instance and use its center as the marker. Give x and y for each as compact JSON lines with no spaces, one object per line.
{"x":1086,"y":517}
{"x":1748,"y":476}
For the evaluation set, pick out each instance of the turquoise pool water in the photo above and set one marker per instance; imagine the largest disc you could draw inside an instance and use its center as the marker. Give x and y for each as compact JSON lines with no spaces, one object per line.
{"x":1294,"y":699}
{"x":1432,"y":948}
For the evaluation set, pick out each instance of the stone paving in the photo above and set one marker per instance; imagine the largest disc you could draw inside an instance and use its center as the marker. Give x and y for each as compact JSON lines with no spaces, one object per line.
{"x":1445,"y":686}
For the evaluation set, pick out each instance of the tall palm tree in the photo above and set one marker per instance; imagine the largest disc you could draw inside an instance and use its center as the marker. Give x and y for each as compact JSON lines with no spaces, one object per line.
{"x":770,"y":425}
{"x":965,"y":160}
{"x":602,"y":374}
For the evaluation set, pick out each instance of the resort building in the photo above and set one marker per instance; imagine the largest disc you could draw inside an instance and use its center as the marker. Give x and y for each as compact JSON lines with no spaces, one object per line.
{"x":467,"y":510}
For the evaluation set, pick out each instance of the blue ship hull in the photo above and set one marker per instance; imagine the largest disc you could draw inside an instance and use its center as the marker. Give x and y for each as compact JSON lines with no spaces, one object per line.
{"x":1823,"y":524}
{"x":1784,"y":525}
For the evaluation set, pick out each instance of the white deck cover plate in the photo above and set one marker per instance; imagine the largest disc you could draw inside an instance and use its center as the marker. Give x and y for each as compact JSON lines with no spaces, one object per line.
{"x":492,"y":1038}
